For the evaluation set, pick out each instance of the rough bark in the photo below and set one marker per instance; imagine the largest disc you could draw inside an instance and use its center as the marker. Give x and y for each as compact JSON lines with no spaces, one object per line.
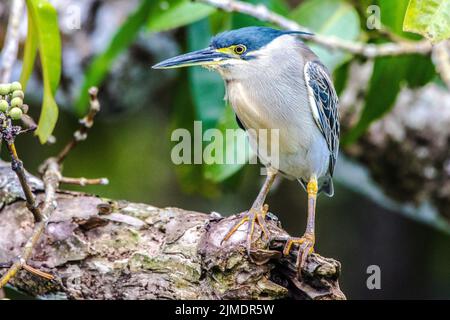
{"x":103,"y":249}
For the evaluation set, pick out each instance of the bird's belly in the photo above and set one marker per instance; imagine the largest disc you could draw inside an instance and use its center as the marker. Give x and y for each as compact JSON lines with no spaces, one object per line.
{"x":294,"y":144}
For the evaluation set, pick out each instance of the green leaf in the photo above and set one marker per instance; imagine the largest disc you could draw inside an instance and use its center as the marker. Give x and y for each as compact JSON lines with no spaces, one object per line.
{"x":220,"y":21}
{"x":29,"y":56}
{"x":207,"y":91}
{"x":420,"y":71}
{"x":392,"y":14}
{"x":49,"y":116}
{"x":389,"y":74}
{"x":190,"y":176}
{"x":206,"y":87}
{"x":429,"y":18}
{"x":383,"y":89}
{"x":176,"y":13}
{"x":44,"y":20}
{"x":101,"y":64}
{"x":332,"y":18}
{"x":243,"y":20}
{"x":218,"y":172}
{"x":340,"y":77}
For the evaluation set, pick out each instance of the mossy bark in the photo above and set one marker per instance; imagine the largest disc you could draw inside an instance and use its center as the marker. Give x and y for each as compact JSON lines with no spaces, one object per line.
{"x":104,"y":249}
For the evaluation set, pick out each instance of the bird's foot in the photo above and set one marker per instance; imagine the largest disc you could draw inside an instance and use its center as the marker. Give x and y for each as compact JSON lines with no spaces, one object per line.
{"x":305,"y":247}
{"x":252,"y":217}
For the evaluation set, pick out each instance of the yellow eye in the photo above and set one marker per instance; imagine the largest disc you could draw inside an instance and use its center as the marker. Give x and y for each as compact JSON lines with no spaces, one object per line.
{"x":240,"y":49}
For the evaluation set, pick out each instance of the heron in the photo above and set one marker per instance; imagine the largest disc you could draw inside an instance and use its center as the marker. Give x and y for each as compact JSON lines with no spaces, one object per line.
{"x":274,"y":81}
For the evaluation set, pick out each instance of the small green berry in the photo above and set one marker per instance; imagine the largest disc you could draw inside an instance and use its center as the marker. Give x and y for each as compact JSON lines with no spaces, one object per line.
{"x":4,"y":105}
{"x":5,"y":88}
{"x":16,"y":102}
{"x":15,"y":113}
{"x":16,"y":86}
{"x":18,"y":94}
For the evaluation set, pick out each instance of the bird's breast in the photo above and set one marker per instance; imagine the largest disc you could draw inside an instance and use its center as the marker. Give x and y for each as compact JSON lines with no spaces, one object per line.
{"x":265,"y":104}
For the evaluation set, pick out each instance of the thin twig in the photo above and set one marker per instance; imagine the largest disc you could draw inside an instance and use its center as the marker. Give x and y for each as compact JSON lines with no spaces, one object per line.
{"x":11,"y":46}
{"x":86,"y":124}
{"x":51,"y":182}
{"x":51,"y":175}
{"x":262,"y":13}
{"x":83,"y":181}
{"x":29,"y":123}
{"x":17,"y":166}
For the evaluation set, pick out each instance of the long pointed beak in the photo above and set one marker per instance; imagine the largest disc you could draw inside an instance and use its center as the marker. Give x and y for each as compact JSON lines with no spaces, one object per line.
{"x":208,"y":56}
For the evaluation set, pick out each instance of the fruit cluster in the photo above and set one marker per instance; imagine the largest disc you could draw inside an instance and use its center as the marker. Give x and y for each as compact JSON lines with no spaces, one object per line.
{"x":11,"y":100}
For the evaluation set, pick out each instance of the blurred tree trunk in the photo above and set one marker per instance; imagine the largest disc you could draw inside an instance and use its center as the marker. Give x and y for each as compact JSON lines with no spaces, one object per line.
{"x":407,"y":151}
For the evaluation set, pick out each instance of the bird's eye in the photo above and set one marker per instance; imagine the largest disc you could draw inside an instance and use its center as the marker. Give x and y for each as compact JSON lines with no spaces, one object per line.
{"x":240,"y":49}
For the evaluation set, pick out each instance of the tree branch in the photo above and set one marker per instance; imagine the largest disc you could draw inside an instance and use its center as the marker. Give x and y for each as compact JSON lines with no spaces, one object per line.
{"x":262,"y":13}
{"x":51,"y":172}
{"x":17,"y":167}
{"x":86,"y":123}
{"x":137,"y":251}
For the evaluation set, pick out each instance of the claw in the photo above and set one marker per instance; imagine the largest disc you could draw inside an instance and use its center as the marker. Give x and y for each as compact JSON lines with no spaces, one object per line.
{"x":235,"y":228}
{"x":306,"y":246}
{"x":252,"y":216}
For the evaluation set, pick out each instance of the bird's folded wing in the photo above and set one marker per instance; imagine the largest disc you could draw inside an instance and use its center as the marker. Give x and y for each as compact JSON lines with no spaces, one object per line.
{"x":324,"y":103}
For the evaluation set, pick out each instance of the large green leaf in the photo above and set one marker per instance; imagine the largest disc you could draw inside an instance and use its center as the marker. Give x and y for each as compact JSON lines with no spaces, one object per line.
{"x":430,"y":18}
{"x":44,"y":20}
{"x":244,"y":20}
{"x":392,"y":14}
{"x":332,"y":18}
{"x":101,"y":64}
{"x":237,"y":147}
{"x":190,"y":175}
{"x":340,"y":77}
{"x":383,"y":89}
{"x":389,"y":74}
{"x":220,"y":21}
{"x":29,"y":56}
{"x":176,"y":13}
{"x":206,"y":87}
{"x":207,"y":90}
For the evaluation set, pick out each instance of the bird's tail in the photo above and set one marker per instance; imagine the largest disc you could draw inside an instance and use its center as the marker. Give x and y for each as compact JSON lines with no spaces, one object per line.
{"x":325,"y":185}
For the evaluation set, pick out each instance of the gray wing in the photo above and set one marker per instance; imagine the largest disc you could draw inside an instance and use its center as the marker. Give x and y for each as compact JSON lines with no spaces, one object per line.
{"x":324,"y":106}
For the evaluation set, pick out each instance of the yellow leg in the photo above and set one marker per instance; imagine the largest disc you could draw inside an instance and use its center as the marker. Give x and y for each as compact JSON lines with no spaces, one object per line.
{"x":235,"y":228}
{"x":261,"y":218}
{"x":306,"y":242}
{"x":256,"y":215}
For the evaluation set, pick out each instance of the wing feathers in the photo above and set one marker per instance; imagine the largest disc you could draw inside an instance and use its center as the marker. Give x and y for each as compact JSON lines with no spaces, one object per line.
{"x":324,"y":103}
